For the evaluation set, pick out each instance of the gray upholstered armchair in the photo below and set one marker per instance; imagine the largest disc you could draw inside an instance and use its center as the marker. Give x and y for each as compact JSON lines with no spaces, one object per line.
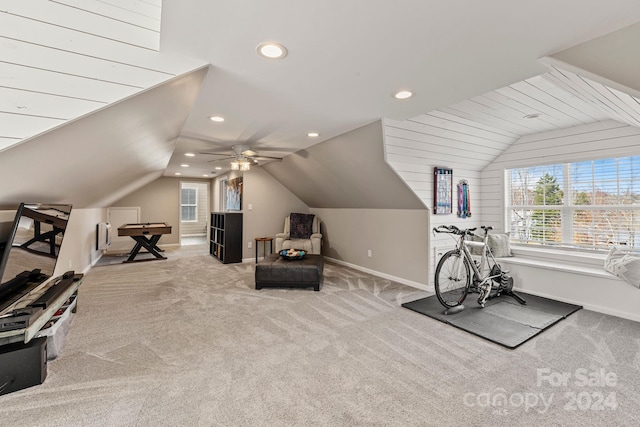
{"x":289,"y":240}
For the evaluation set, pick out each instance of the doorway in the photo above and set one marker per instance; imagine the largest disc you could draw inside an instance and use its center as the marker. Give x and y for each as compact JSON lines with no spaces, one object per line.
{"x":194,"y":213}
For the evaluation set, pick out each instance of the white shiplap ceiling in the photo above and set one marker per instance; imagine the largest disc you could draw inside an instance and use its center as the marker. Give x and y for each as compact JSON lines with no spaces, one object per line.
{"x":492,"y":122}
{"x":616,"y":104}
{"x":63,"y":59}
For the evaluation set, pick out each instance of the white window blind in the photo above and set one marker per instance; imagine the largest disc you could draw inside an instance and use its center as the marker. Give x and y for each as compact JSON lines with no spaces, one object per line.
{"x":189,"y":204}
{"x":591,"y":204}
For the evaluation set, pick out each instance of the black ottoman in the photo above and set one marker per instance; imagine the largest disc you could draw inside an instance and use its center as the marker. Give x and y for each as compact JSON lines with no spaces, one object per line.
{"x":275,"y":271}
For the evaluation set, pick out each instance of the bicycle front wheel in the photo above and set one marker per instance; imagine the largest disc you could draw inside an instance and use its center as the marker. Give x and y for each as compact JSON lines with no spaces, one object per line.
{"x":452,"y":279}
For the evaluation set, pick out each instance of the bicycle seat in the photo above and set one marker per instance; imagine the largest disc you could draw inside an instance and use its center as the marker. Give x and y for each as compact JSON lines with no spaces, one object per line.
{"x":486,"y":227}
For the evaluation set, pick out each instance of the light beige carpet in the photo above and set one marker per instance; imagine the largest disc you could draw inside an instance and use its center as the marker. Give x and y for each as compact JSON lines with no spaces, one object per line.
{"x":189,"y":342}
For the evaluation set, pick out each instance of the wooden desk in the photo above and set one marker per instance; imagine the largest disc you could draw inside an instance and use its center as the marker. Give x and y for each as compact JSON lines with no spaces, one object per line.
{"x":140,"y":233}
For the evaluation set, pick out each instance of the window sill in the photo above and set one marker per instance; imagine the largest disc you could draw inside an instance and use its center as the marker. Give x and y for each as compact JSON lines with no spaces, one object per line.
{"x":589,"y":264}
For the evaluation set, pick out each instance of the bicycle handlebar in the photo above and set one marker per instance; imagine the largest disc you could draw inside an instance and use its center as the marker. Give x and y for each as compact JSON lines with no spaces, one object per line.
{"x":454,"y":230}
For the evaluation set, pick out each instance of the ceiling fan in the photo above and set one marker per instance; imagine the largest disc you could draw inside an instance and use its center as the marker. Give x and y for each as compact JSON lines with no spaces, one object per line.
{"x":241,"y":156}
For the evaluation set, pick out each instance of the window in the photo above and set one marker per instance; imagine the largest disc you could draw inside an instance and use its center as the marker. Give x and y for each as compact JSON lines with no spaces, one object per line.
{"x":591,"y":204}
{"x":189,"y":204}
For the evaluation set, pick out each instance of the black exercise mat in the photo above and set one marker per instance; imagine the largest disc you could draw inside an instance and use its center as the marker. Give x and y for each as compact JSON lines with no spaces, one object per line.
{"x":503,"y":320}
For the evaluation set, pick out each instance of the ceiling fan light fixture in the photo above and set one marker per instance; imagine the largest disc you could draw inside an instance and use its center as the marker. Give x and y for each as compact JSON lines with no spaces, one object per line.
{"x":272,"y":50}
{"x":403,"y":94}
{"x":249,"y":153}
{"x":240,"y":165}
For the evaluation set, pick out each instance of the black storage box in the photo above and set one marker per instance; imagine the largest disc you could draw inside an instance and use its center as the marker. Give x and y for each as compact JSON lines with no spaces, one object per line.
{"x":23,"y":365}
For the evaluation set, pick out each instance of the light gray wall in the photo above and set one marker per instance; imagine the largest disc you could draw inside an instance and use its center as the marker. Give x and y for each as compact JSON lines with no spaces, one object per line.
{"x":612,"y":56}
{"x":270,"y":203}
{"x":348,"y":171}
{"x":78,"y":250}
{"x":397,"y":238}
{"x":159,"y":202}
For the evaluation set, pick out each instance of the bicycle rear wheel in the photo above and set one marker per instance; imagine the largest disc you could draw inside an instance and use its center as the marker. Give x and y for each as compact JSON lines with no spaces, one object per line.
{"x":452,"y":279}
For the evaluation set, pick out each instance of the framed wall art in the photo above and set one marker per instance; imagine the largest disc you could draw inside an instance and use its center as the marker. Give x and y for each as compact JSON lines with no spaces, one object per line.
{"x":234,"y":194}
{"x":442,"y":191}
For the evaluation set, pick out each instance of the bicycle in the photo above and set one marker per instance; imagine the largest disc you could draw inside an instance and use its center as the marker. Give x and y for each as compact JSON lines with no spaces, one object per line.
{"x":453,"y":279}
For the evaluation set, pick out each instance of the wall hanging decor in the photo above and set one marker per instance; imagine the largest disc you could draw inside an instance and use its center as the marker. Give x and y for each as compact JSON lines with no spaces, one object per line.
{"x":442,"y":191}
{"x":234,"y":194}
{"x":464,"y":200}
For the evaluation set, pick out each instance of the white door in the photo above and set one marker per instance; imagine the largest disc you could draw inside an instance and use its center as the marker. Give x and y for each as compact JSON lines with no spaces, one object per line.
{"x":117,"y":217}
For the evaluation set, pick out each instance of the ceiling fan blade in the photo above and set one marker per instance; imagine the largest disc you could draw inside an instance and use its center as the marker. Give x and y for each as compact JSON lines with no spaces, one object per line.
{"x":221,"y":153}
{"x":220,"y":160}
{"x":267,"y":158}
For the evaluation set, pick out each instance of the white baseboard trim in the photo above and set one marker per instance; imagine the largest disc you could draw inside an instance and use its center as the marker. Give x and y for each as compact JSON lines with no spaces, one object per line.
{"x":411,"y":283}
{"x":591,"y":307}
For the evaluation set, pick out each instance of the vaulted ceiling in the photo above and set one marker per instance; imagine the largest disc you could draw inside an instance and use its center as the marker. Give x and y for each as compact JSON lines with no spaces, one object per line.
{"x":64,"y":62}
{"x":345,"y":59}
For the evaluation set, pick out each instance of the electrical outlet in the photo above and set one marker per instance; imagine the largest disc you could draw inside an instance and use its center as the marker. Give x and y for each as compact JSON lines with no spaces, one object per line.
{"x":250,"y":245}
{"x":369,"y":253}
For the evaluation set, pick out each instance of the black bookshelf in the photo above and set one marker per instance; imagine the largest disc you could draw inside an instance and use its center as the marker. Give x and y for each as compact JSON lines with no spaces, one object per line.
{"x":225,"y":241}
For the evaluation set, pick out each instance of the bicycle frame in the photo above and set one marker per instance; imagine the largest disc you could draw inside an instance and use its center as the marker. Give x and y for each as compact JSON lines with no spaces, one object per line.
{"x":477,"y":268}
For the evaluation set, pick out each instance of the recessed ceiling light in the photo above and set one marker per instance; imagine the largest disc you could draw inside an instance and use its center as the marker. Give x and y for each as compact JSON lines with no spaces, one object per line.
{"x":218,"y":168}
{"x":531,"y":116}
{"x":184,"y":165}
{"x":205,"y":175}
{"x":178,"y":173}
{"x":272,"y":50}
{"x":403,"y":94}
{"x":216,"y":118}
{"x":189,"y":154}
{"x":313,"y":134}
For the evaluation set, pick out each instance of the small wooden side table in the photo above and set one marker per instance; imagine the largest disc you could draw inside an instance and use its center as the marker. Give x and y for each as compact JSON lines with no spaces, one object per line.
{"x":264,"y":241}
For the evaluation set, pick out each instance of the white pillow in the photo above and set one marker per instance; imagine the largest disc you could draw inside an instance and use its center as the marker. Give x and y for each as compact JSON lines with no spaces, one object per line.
{"x":500,"y":244}
{"x":623,"y":265}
